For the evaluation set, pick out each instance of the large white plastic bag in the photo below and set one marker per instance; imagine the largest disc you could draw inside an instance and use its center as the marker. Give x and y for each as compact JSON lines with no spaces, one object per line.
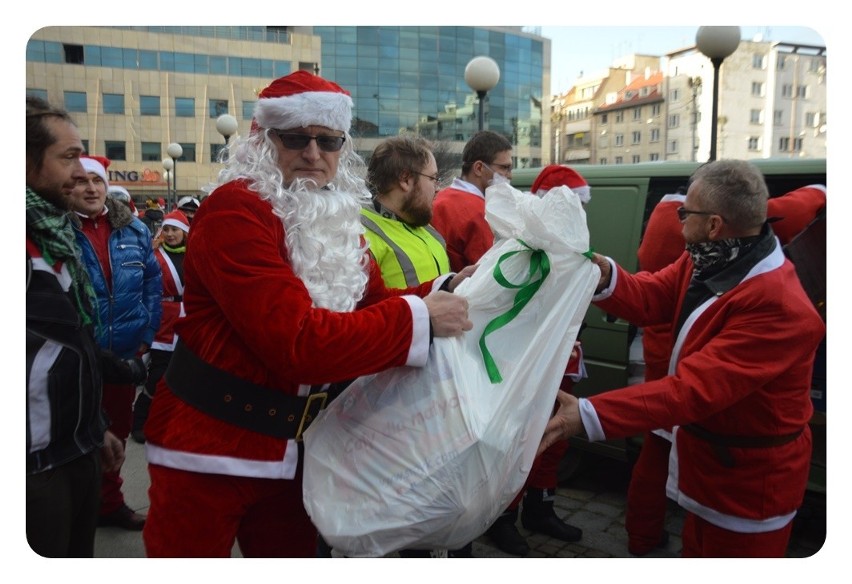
{"x":429,"y":457}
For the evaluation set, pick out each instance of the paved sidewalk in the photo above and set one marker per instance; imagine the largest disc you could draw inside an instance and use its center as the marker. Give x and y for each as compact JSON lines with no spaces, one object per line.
{"x":594,"y":502}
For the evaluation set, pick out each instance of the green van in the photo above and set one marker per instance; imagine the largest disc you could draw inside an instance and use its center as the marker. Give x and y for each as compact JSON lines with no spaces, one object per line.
{"x":622,"y":199}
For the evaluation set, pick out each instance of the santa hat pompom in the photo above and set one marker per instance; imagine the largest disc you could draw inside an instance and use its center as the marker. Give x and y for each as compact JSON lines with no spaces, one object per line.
{"x":556,"y":175}
{"x":302,"y":99}
{"x":97,"y":165}
{"x":177,"y":219}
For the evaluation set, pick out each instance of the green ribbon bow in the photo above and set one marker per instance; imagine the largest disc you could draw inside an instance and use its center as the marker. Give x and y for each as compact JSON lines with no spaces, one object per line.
{"x":539,"y":266}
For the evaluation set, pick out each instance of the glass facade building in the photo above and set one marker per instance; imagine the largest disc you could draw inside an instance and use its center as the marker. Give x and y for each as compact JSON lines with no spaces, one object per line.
{"x":412,"y":79}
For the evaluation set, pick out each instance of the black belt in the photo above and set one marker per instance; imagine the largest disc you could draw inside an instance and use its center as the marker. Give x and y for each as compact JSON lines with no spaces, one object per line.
{"x":229,"y":398}
{"x":721,"y":443}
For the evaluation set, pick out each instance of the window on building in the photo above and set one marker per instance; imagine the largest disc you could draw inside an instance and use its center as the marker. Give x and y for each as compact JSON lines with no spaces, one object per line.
{"x":674,"y":120}
{"x":152,"y":151}
{"x":654,"y":156}
{"x":602,"y":161}
{"x":757,"y":89}
{"x":757,"y":61}
{"x":787,"y":90}
{"x":188,"y":152}
{"x":777,"y":117}
{"x":75,"y":101}
{"x":754,"y":143}
{"x":785,"y":144}
{"x":619,"y":160}
{"x":672,"y":146}
{"x":802,"y":91}
{"x":637,"y":113}
{"x":636,"y":137}
{"x":811,"y":119}
{"x":185,"y":107}
{"x":40,"y":93}
{"x":248,"y":109}
{"x":619,"y":139}
{"x":149,"y":105}
{"x":674,"y":95}
{"x":74,"y":54}
{"x":85,"y":145}
{"x":636,"y":158}
{"x":218,"y":107}
{"x":215,"y":149}
{"x":604,"y":118}
{"x":619,"y":117}
{"x":115,"y":150}
{"x":655,"y":135}
{"x":756,"y":116}
{"x":114,"y":103}
{"x":655,"y":110}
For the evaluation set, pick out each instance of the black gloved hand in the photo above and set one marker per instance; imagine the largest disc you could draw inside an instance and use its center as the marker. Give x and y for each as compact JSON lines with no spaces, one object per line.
{"x":117,"y":370}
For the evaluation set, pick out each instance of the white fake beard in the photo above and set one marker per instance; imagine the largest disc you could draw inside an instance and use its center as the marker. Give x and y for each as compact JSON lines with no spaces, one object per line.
{"x":323,"y":234}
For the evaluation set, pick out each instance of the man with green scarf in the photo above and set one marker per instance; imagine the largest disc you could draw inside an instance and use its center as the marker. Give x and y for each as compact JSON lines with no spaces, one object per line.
{"x":66,"y":440}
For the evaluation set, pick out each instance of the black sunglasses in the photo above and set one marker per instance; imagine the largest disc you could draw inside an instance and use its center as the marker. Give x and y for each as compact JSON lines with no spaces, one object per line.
{"x":301,"y":141}
{"x":683,"y":213}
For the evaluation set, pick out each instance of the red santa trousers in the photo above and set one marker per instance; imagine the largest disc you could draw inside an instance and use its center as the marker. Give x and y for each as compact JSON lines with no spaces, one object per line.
{"x":646,"y":495}
{"x":118,"y":405}
{"x":702,"y":539}
{"x":197,"y":515}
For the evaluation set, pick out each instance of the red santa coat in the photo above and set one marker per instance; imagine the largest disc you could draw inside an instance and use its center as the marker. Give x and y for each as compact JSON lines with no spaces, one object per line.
{"x":661,"y":245}
{"x":744,"y":361}
{"x":267,"y":333}
{"x":459,"y":215}
{"x":166,"y":338}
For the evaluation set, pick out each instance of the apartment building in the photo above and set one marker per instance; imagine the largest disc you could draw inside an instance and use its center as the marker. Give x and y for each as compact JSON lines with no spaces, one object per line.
{"x":772,"y":104}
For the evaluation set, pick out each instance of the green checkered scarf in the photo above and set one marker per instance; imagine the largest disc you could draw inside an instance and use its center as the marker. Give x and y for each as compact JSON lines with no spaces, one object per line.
{"x":50,"y":229}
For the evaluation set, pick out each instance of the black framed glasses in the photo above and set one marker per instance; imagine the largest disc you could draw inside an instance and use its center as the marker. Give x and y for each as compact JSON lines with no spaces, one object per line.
{"x":301,"y":141}
{"x":434,"y":179}
{"x":503,"y":167}
{"x":683,"y":213}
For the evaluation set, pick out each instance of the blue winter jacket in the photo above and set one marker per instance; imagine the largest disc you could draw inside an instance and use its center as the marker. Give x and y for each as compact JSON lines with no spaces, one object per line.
{"x":129,"y":314}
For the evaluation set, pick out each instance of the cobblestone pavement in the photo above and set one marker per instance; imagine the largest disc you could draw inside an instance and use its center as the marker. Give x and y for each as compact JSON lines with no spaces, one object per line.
{"x":593,"y":499}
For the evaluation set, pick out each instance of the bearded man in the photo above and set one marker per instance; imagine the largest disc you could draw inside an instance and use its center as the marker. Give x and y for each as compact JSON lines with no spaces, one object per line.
{"x":281,"y":301}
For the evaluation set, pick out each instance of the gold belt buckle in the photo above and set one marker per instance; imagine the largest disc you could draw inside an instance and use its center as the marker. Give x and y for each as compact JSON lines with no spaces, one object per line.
{"x":309,"y":414}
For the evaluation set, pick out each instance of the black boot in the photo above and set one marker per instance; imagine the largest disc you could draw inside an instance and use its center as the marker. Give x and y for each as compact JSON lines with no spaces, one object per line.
{"x":506,"y":536}
{"x":538,"y":515}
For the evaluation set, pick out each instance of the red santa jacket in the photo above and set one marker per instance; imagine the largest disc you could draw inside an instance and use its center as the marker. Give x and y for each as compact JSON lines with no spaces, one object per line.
{"x":661,"y":245}
{"x":248,"y":313}
{"x":744,"y":362}
{"x":459,"y":215}
{"x":166,"y":338}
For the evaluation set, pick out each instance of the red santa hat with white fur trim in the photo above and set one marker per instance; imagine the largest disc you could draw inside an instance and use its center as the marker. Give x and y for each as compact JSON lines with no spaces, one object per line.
{"x":556,"y":175}
{"x":303,"y":99}
{"x":177,"y":219}
{"x":96,"y":165}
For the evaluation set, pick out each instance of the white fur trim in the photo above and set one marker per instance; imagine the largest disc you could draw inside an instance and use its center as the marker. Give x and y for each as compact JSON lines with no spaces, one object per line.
{"x":310,"y":108}
{"x":92,"y":165}
{"x":175,"y":223}
{"x":584,"y":192}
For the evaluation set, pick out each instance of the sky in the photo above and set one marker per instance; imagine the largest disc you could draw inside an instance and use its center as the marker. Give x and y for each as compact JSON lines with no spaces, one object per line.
{"x":577,"y":50}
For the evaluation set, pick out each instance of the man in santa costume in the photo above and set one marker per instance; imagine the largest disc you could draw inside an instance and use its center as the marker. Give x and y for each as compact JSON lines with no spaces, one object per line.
{"x":281,"y":301}
{"x":737,"y":394}
{"x":662,"y":244}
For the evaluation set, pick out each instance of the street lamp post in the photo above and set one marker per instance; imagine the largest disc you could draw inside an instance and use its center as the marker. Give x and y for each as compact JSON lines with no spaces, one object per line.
{"x":168,"y":165}
{"x":175,"y":151}
{"x":482,"y":75}
{"x":226,"y":125}
{"x":717,"y":43}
